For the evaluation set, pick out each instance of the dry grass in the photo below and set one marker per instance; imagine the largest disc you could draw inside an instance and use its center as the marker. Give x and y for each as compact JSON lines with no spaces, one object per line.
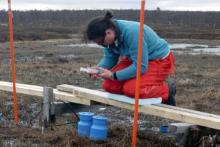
{"x":197,"y":79}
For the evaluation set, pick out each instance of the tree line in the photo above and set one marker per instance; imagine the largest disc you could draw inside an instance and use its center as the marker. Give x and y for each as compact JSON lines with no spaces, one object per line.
{"x":39,"y":25}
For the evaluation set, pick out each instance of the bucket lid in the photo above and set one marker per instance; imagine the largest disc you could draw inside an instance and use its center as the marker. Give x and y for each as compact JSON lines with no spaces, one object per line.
{"x":99,"y":117}
{"x":86,"y":113}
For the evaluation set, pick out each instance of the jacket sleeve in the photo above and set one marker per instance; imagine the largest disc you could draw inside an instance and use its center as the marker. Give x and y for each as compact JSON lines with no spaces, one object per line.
{"x":109,"y":59}
{"x":132,"y":43}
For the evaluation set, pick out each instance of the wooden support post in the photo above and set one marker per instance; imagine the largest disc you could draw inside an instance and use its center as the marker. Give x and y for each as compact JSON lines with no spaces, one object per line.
{"x":52,"y":116}
{"x":47,"y":98}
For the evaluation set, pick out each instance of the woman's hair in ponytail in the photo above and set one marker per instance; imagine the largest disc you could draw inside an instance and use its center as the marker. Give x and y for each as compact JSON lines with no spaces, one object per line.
{"x":97,"y":27}
{"x":108,"y":15}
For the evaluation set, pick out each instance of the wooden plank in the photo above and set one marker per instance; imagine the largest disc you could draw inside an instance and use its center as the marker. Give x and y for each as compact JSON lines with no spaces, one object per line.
{"x":170,"y":112}
{"x":93,"y":96}
{"x":117,"y":97}
{"x":65,"y":88}
{"x":189,"y":110}
{"x":21,"y":88}
{"x":38,"y":91}
{"x":182,"y":116}
{"x":63,"y":96}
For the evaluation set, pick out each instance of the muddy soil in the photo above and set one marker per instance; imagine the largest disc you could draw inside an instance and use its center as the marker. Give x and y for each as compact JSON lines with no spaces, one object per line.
{"x":55,"y":62}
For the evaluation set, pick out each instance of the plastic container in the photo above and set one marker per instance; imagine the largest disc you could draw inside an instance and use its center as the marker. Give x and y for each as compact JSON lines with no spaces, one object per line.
{"x":98,"y":131}
{"x":84,"y":125}
{"x":164,"y":129}
{"x":90,"y":70}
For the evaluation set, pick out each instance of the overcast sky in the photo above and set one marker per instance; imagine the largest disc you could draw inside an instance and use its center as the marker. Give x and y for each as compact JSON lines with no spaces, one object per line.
{"x":192,"y":5}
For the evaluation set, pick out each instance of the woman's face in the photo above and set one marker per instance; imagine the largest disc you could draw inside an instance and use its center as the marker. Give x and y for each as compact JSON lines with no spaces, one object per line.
{"x":108,"y":39}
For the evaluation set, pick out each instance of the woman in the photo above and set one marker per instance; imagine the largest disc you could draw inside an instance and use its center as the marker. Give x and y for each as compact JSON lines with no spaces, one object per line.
{"x":119,"y":39}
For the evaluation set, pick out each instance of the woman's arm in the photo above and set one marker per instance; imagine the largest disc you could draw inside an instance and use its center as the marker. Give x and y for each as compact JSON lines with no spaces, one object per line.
{"x":109,"y":59}
{"x":132,"y":39}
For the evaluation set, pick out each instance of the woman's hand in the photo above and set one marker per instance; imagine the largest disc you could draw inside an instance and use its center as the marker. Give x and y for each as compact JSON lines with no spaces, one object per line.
{"x":94,"y":75}
{"x":105,"y":73}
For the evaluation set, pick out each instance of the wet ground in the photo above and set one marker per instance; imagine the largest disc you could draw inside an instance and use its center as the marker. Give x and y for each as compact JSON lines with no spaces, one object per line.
{"x":55,"y":62}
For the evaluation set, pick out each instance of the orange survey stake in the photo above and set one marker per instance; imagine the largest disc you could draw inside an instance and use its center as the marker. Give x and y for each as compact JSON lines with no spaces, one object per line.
{"x":138,"y":75}
{"x":13,"y":77}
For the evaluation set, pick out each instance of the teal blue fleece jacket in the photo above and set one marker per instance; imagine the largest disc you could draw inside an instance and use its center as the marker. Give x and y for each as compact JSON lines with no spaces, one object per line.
{"x":126,"y":44}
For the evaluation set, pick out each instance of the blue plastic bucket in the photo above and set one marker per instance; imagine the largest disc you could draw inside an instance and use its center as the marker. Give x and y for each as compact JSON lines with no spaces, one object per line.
{"x":98,"y":129}
{"x":83,"y":127}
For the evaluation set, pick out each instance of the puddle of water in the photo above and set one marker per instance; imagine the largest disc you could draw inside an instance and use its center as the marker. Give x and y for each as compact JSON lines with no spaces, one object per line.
{"x":186,"y":45}
{"x":213,"y":51}
{"x":194,"y":49}
{"x":71,"y":56}
{"x":91,"y":45}
{"x":179,"y":48}
{"x":40,"y":58}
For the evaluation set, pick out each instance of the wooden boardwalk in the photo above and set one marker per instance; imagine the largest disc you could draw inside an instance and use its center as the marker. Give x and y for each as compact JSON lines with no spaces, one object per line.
{"x":87,"y":97}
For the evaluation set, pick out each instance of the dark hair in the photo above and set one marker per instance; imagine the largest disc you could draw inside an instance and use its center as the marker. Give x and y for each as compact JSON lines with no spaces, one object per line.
{"x":97,"y":27}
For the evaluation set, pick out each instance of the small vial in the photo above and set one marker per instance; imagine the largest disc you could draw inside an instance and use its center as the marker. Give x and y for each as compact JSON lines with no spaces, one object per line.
{"x":90,"y":70}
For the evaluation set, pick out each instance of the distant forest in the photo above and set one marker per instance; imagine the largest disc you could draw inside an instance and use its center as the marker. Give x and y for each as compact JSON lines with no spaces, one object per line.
{"x":40,"y":25}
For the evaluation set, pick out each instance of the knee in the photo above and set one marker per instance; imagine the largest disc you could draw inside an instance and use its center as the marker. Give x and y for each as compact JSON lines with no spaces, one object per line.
{"x":110,"y":86}
{"x":129,"y":90}
{"x":106,"y":86}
